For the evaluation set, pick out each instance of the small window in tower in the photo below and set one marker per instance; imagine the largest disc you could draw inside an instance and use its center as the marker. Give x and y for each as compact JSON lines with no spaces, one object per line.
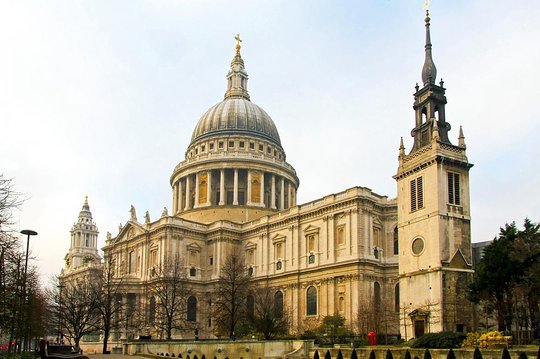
{"x":268,"y":150}
{"x":220,"y":144}
{"x":203,"y":148}
{"x":261,"y":148}
{"x":211,"y":261}
{"x":196,"y":151}
{"x":251,"y":146}
{"x":417,"y":194}
{"x":241,"y":144}
{"x":211,"y":146}
{"x":275,"y":153}
{"x":231,"y":144}
{"x":454,"y":196}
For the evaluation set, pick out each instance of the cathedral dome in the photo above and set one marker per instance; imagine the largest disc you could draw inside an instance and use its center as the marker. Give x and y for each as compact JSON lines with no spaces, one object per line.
{"x":236,"y":116}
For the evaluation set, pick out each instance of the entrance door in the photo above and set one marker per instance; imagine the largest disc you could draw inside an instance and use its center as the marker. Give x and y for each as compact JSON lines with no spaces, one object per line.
{"x":419,"y":328}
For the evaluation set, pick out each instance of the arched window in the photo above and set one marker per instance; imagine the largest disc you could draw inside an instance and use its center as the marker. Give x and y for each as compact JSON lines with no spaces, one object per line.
{"x":152,"y":309}
{"x":377,"y":296}
{"x":192,"y":272}
{"x":192,"y":309}
{"x":250,"y":303}
{"x":396,"y":298}
{"x":311,"y":301}
{"x":396,"y":241}
{"x":278,"y":304}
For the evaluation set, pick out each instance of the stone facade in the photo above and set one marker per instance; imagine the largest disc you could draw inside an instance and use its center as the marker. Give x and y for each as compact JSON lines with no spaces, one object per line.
{"x":356,"y":253}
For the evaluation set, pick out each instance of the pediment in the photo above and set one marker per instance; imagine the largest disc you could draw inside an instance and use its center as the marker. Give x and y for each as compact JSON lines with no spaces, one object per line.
{"x":459,"y":261}
{"x":193,"y":247}
{"x":311,"y":229}
{"x":129,"y":231}
{"x":278,"y":238}
{"x":250,"y":245}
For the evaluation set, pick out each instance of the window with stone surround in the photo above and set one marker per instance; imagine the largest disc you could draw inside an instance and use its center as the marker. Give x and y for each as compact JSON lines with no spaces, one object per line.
{"x":311,"y":301}
{"x":454,"y":195}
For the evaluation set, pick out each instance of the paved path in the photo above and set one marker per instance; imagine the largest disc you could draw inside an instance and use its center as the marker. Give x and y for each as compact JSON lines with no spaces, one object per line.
{"x":114,"y":356}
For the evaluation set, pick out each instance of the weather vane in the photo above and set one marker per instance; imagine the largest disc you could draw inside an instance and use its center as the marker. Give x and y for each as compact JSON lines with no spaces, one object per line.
{"x":238,"y":41}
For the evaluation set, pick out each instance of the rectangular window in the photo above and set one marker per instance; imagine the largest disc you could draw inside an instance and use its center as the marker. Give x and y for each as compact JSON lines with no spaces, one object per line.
{"x":417,"y":194}
{"x":220,"y":144}
{"x":453,"y":189}
{"x":251,"y":146}
{"x":260,"y":147}
{"x":211,"y":261}
{"x":231,"y":144}
{"x":241,"y":144}
{"x":211,"y":146}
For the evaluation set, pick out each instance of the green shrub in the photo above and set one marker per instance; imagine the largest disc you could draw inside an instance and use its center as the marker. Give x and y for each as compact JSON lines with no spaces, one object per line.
{"x":477,"y":354}
{"x":444,"y":340}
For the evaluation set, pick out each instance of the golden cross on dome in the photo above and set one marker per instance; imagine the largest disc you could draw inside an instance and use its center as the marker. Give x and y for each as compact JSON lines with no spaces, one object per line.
{"x":238,"y":41}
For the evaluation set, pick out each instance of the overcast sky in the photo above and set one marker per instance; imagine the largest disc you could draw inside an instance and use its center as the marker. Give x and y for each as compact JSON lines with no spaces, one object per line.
{"x":100,"y":98}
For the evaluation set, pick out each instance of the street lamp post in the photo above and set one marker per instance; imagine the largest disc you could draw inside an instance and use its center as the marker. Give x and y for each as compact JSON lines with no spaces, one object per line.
{"x":60,"y":286}
{"x":28,"y":233}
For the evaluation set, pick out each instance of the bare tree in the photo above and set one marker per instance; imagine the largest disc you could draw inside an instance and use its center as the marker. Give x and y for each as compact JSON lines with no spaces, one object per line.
{"x":231,"y":293}
{"x":76,"y":308}
{"x":9,"y":200}
{"x":269,"y":317}
{"x":170,"y":290}
{"x":108,"y":296}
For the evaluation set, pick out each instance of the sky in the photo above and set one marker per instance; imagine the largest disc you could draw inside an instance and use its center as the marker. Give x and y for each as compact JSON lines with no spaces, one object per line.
{"x":100,"y":98}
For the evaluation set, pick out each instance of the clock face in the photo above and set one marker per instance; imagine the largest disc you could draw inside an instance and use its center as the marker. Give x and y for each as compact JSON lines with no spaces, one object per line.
{"x":418,"y":246}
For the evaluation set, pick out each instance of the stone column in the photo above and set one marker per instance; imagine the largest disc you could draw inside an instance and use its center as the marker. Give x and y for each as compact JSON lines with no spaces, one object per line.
{"x":235,"y":185}
{"x":273,"y":193}
{"x":175,"y":198}
{"x":179,"y":199}
{"x":188,"y":199}
{"x":248,"y":202}
{"x":282,"y":197}
{"x":291,"y":196}
{"x":209,"y":189}
{"x":222,"y":195}
{"x":262,"y":189}
{"x":196,"y":200}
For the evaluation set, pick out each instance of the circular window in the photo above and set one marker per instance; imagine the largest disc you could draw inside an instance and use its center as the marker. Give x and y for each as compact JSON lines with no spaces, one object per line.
{"x":418,"y":246}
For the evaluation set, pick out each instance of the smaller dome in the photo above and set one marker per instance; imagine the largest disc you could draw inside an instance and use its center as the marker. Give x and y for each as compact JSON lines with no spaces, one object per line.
{"x":236,"y":116}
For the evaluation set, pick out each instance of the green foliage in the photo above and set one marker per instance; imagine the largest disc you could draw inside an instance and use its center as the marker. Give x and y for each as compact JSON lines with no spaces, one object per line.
{"x":477,"y":354}
{"x":427,"y":354}
{"x":510,"y":266}
{"x":505,"y":354}
{"x":443,"y":340}
{"x":451,"y":354}
{"x":389,"y":354}
{"x":471,"y":341}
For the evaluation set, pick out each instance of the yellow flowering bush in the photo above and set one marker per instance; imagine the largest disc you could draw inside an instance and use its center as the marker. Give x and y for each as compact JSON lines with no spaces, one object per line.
{"x":491,"y":338}
{"x":471,"y":341}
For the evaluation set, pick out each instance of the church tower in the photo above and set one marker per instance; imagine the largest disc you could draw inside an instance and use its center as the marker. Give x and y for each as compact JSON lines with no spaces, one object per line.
{"x":83,"y":251}
{"x":433,"y":216}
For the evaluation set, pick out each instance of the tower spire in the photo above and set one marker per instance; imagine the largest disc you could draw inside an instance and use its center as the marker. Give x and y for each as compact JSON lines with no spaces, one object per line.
{"x":237,"y":76}
{"x":429,"y":71}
